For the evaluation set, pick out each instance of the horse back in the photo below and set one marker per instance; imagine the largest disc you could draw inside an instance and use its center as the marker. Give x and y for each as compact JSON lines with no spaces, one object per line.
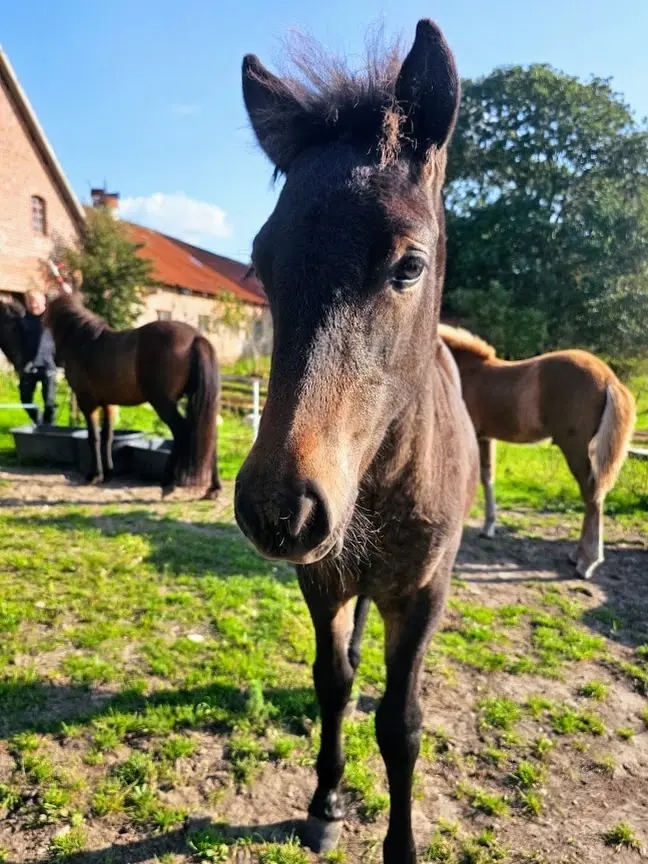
{"x":105,"y":369}
{"x":164,"y":358}
{"x":573,"y":392}
{"x":554,"y":395}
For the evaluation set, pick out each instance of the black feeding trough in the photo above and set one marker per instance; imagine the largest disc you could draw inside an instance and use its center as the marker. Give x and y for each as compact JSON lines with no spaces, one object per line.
{"x":54,"y":445}
{"x":148,"y":457}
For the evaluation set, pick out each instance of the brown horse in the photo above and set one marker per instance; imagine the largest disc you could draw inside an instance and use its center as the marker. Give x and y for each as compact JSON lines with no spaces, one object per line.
{"x":366,"y":461}
{"x":158,"y":363}
{"x":571,"y":397}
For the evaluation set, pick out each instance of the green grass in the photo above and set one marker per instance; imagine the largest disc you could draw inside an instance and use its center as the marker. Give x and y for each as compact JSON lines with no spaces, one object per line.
{"x":537,"y":477}
{"x":70,"y":843}
{"x":490,"y":803}
{"x":594,"y":690}
{"x":622,"y":836}
{"x":500,"y":713}
{"x":625,"y":733}
{"x":527,"y":775}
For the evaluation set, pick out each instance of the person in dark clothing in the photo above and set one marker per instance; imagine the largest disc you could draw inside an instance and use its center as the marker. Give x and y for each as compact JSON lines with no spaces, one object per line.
{"x":40,"y":365}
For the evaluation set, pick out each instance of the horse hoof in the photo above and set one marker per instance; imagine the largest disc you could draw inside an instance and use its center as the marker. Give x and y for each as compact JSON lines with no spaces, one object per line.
{"x":211,"y":495}
{"x":94,"y":479}
{"x":321,"y":835}
{"x":488,"y":531}
{"x":586,"y":569}
{"x":167,"y":490}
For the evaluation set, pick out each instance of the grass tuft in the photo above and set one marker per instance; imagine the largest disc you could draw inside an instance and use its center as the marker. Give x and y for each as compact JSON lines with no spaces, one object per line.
{"x":622,"y":836}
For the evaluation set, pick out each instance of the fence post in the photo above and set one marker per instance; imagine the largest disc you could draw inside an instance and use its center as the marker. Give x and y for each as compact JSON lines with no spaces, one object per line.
{"x":256,"y":413}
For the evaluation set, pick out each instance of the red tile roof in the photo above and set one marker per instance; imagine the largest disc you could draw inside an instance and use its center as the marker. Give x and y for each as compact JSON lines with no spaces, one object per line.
{"x":185,"y":266}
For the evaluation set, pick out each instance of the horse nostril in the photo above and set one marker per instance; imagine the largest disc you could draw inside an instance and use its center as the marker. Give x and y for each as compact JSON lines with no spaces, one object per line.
{"x":305,"y":509}
{"x":311,"y":520}
{"x":286,"y":521}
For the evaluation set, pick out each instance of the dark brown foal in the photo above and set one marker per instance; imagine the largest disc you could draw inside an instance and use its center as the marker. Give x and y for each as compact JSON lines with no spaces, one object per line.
{"x":366,"y":461}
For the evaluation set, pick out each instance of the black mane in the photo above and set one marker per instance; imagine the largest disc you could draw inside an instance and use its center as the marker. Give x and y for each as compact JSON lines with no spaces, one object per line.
{"x":337,"y":103}
{"x":69,"y":320}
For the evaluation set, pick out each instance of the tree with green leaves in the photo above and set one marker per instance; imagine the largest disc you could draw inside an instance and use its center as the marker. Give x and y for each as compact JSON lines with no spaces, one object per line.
{"x":548,"y":215}
{"x":114,"y":277}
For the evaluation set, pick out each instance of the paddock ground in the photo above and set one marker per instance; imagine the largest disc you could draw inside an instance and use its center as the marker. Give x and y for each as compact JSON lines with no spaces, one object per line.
{"x":156,"y":699}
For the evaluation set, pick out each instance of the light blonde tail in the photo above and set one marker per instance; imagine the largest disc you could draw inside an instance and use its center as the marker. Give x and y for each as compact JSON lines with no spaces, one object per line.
{"x":609,"y":447}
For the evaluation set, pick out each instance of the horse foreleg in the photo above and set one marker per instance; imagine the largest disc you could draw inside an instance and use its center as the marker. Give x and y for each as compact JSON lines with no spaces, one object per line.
{"x":333,"y":678}
{"x":107,"y":439}
{"x":408,"y":628}
{"x":589,"y":552}
{"x":95,"y":475}
{"x":487,"y":453}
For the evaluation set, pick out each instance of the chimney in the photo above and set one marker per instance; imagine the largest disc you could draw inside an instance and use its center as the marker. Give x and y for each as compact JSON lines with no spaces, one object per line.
{"x":101,"y":198}
{"x":98,"y":197}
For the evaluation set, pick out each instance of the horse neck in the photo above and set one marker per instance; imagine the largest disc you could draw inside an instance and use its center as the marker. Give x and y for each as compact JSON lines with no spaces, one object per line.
{"x":407,"y":450}
{"x":9,"y":342}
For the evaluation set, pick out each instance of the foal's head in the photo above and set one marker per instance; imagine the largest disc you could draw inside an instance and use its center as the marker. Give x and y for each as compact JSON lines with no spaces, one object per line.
{"x":352,"y":263}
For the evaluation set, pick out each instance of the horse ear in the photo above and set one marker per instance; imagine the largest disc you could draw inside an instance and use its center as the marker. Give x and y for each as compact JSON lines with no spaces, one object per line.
{"x":428,"y":90}
{"x":278,"y":118}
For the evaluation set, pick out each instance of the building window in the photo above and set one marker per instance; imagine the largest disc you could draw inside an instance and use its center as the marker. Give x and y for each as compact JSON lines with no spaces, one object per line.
{"x":163,"y":315}
{"x":257,"y":330}
{"x":203,"y":323}
{"x":39,"y":220}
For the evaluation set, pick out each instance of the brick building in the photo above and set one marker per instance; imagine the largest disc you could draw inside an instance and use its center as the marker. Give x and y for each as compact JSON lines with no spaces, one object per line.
{"x":37,"y":205}
{"x":200,"y":287}
{"x":38,"y":210}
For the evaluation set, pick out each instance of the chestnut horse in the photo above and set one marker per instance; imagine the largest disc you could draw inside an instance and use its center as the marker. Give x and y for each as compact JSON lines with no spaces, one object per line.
{"x":366,"y":462}
{"x":158,"y":363}
{"x":571,"y":397}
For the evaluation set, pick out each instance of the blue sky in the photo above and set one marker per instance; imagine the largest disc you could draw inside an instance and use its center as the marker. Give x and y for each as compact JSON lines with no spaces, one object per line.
{"x":146,"y":94}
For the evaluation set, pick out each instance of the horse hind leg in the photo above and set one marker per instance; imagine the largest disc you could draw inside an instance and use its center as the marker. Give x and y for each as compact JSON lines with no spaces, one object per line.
{"x":487,"y":452}
{"x":590,"y":547}
{"x":215,"y":486}
{"x":169,"y":414}
{"x":588,"y":554}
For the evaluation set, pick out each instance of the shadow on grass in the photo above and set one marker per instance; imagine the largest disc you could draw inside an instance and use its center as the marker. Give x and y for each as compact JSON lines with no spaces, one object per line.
{"x":513,"y":557}
{"x":176,"y":546}
{"x":49,"y":708}
{"x":154,"y":848}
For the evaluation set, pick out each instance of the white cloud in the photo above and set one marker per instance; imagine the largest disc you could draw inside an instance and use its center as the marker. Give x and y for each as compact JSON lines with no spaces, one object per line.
{"x":186,"y":218}
{"x":185,"y":110}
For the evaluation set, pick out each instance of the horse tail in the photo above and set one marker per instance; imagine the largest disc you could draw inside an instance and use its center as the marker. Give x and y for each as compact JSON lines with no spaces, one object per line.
{"x":203,"y":390}
{"x":609,"y":447}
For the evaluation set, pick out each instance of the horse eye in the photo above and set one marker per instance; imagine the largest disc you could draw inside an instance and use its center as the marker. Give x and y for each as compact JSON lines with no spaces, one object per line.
{"x":408,"y":271}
